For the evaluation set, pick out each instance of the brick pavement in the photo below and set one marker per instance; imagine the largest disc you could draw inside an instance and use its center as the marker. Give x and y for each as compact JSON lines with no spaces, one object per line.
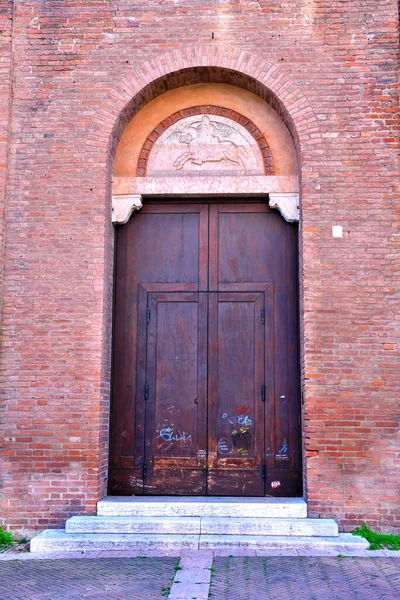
{"x":305,"y":578}
{"x":233,"y":578}
{"x":94,"y":579}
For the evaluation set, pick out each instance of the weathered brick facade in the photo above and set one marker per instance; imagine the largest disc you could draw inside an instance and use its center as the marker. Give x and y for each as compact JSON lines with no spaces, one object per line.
{"x":73,"y":74}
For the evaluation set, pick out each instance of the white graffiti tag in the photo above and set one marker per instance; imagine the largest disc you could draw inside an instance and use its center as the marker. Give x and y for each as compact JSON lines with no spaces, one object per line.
{"x":169,"y":435}
{"x":242,"y":420}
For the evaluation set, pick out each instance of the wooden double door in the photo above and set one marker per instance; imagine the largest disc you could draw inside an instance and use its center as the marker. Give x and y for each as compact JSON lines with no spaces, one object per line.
{"x":205,"y":352}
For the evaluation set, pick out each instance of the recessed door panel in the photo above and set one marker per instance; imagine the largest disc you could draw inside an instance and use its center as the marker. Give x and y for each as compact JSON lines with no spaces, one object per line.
{"x":236,"y":394}
{"x":176,"y":394}
{"x":163,"y":243}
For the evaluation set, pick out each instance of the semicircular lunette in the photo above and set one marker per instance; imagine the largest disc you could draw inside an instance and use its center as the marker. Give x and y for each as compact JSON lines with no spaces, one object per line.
{"x":205,"y":140}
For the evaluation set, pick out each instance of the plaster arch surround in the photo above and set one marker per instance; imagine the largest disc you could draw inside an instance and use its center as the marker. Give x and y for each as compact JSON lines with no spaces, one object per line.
{"x":206,"y":139}
{"x":231,"y":97}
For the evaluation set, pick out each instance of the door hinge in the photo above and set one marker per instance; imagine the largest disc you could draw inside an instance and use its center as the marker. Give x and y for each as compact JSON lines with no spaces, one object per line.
{"x":263,"y":392}
{"x":146,"y":390}
{"x":144,"y":470}
{"x":147,"y":315}
{"x":264,"y":473}
{"x":263,"y":316}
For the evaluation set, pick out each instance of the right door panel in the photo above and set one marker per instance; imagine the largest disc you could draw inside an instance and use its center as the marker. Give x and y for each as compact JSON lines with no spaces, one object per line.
{"x":236,"y":395}
{"x":253,"y":249}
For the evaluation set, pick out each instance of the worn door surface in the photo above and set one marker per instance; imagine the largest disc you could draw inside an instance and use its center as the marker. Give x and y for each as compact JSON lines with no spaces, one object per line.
{"x":205,"y":396}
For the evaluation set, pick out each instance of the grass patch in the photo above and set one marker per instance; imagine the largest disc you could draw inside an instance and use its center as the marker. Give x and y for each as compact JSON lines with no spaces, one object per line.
{"x":5,"y":538}
{"x":377,"y":541}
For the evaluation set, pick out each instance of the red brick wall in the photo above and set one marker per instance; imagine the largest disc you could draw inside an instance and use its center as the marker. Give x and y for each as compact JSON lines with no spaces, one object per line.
{"x":77,"y":63}
{"x":6,"y":89}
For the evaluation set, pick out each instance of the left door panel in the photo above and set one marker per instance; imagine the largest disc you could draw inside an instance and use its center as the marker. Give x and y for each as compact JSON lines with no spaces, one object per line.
{"x":176,"y":393}
{"x":163,"y":248}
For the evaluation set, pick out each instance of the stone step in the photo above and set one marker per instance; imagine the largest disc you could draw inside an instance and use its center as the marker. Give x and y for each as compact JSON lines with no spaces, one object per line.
{"x":204,"y":525}
{"x":344,"y":542}
{"x":268,"y":526}
{"x":56,"y":540}
{"x":196,"y":506}
{"x":157,"y":525}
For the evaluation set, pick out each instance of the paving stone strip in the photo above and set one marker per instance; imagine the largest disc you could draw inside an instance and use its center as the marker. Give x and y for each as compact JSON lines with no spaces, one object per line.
{"x":192,"y":578}
{"x":299,"y":578}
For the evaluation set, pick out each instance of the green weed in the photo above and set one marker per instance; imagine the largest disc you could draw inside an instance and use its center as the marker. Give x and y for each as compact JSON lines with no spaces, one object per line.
{"x":5,"y":538}
{"x":377,"y":541}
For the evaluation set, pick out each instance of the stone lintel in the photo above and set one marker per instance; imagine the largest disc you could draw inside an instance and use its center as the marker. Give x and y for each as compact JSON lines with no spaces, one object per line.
{"x":123,"y":205}
{"x":255,"y":185}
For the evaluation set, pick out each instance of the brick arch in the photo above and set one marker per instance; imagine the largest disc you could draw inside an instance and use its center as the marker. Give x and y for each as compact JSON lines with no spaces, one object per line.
{"x":171,"y":70}
{"x":193,"y":64}
{"x":233,"y":115}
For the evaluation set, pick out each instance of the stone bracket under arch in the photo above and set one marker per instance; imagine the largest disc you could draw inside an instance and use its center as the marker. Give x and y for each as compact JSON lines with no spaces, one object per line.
{"x":287,"y":204}
{"x":123,"y":206}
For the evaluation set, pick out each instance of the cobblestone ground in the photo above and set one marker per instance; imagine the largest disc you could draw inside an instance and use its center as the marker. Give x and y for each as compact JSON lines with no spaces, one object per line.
{"x":303,"y":578}
{"x":105,"y":579}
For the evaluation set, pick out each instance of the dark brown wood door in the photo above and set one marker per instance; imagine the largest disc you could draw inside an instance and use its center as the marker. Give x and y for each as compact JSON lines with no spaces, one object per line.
{"x":236,"y":393}
{"x":205,"y":363}
{"x":176,"y":393}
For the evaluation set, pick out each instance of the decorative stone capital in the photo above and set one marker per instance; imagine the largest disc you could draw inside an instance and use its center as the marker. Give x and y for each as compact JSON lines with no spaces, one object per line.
{"x":287,"y":204}
{"x":123,"y":207}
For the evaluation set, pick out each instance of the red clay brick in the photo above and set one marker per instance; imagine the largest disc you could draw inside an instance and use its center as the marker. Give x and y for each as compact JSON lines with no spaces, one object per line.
{"x":330,"y":70}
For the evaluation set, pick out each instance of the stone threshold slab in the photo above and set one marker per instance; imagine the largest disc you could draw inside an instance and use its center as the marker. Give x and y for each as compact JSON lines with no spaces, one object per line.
{"x":202,"y":506}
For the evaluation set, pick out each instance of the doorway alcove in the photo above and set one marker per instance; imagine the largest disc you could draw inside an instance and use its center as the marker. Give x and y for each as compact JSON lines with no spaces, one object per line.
{"x":205,"y":393}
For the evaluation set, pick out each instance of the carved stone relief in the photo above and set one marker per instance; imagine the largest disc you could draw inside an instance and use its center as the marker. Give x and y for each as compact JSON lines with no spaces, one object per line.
{"x":205,"y":144}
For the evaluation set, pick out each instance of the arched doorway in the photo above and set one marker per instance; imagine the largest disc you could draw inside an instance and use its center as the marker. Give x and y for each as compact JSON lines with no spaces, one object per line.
{"x":205,"y":354}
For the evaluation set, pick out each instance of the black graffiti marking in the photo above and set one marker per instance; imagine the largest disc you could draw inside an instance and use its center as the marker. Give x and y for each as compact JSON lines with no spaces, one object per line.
{"x":241,"y":439}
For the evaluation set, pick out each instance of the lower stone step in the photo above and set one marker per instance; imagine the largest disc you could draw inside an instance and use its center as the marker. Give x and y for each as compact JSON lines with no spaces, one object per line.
{"x":344,"y":542}
{"x":55,"y":540}
{"x":203,"y":525}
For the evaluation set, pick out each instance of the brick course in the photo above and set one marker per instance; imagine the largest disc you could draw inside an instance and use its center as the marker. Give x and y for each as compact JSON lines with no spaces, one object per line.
{"x":81,"y":70}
